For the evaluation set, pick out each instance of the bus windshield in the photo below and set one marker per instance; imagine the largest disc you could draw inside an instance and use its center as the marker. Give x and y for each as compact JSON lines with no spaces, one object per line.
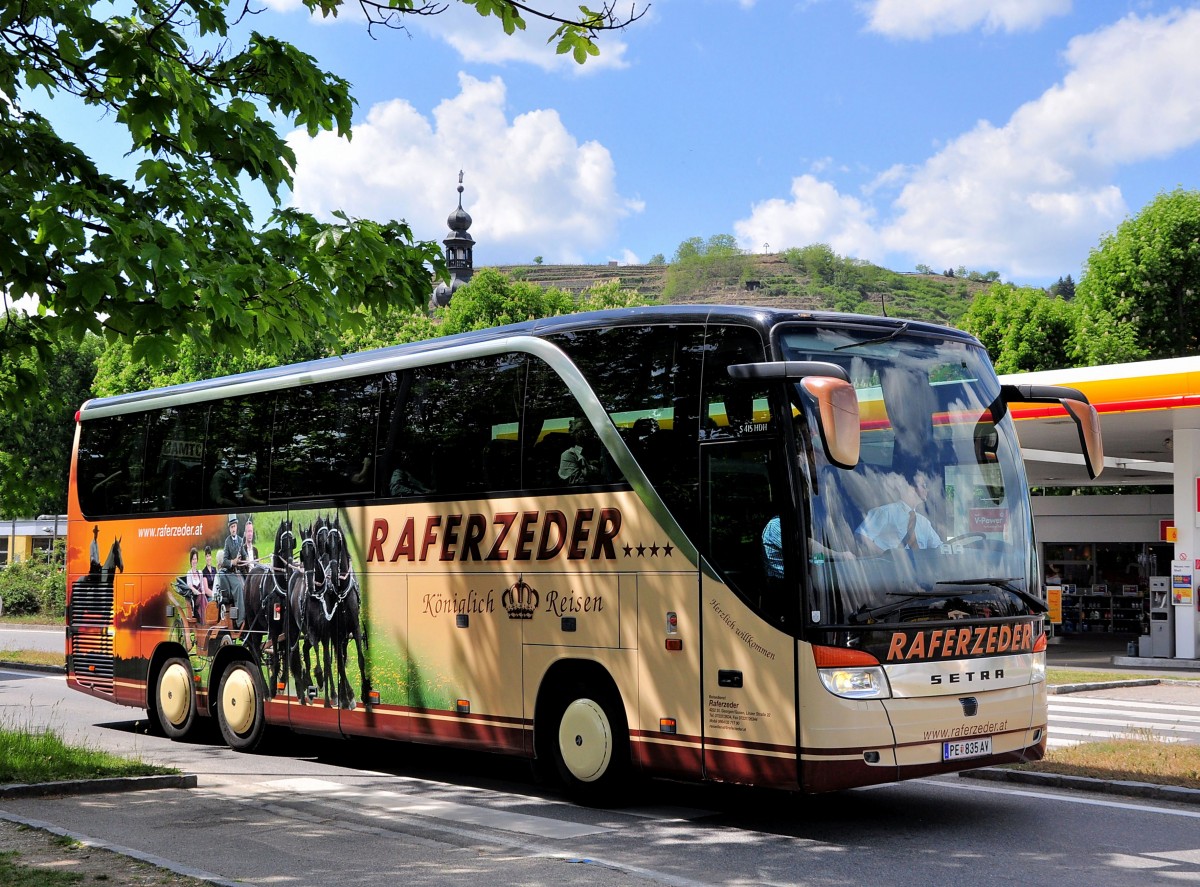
{"x":933,"y":523}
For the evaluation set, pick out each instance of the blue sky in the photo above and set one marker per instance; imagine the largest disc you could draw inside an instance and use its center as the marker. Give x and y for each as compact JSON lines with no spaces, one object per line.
{"x":1005,"y":135}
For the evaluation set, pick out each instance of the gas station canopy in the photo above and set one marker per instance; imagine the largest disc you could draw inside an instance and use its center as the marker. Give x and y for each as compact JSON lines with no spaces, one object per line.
{"x":1141,"y":406}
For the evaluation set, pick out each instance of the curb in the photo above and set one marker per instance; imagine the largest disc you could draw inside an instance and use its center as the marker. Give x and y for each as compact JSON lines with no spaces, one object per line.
{"x":97,"y":786}
{"x":1174,"y":793}
{"x":31,"y":666}
{"x":1059,"y":689}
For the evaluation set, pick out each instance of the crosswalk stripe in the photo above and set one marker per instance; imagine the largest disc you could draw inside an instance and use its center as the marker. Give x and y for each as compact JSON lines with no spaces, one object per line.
{"x":1118,"y":710}
{"x":1165,"y":724}
{"x":1100,"y":702}
{"x":1076,"y":720}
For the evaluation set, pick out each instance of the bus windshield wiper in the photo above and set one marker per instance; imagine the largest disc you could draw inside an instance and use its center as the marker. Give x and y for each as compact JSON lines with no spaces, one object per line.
{"x":1004,"y":584}
{"x":897,"y":331}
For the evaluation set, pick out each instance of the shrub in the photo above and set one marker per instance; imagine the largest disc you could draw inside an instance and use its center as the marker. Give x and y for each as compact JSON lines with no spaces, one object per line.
{"x":36,"y":586}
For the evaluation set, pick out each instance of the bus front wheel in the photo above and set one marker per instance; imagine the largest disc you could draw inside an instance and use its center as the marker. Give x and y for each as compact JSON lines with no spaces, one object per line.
{"x":240,"y":706}
{"x":175,"y":698}
{"x":590,"y":743}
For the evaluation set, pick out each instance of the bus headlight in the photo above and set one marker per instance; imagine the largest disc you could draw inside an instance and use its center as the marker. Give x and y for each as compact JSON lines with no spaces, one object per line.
{"x":856,"y":683}
{"x":850,"y":673}
{"x":1038,"y":668}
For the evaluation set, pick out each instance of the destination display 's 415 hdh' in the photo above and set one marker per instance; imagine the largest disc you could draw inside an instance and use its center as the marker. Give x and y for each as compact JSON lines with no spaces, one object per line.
{"x":776,"y":548}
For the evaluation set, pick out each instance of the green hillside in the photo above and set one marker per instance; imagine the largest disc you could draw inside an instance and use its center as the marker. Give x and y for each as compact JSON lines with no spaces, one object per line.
{"x":797,"y":279}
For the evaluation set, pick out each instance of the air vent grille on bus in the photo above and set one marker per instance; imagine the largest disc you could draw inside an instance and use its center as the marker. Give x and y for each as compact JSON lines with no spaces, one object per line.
{"x":92,"y":651}
{"x":92,"y":661}
{"x":91,"y":603}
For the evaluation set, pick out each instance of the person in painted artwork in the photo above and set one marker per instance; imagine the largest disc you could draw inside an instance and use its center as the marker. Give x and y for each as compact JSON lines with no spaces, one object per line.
{"x":94,"y":551}
{"x":195,"y":586}
{"x":230,"y":582}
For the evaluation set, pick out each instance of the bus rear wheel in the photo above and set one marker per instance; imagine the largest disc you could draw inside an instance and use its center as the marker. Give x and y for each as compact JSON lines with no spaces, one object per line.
{"x":175,"y":698}
{"x":589,"y":743}
{"x":240,"y":706}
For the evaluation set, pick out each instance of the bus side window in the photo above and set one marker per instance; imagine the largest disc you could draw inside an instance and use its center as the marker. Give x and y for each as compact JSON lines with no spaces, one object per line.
{"x":652,"y":373}
{"x":111,"y":459}
{"x":743,"y":497}
{"x":174,"y":450}
{"x":454,"y":428}
{"x":324,"y":440}
{"x":561,"y":446}
{"x":236,"y":445}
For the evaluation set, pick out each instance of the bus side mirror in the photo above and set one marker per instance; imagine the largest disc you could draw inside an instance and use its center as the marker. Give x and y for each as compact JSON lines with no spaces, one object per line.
{"x":837,"y":407}
{"x":1075,"y":402}
{"x":837,"y":401}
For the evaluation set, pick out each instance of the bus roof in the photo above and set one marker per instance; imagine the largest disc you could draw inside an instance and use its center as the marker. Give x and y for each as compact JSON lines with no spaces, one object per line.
{"x":378,"y":360}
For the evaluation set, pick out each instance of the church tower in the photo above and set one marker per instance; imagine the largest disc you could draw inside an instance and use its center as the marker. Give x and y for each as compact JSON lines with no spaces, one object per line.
{"x":459,"y":253}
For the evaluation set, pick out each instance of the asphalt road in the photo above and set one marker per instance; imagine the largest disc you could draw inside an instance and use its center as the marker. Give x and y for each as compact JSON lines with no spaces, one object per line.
{"x":332,"y":813}
{"x":34,"y":637}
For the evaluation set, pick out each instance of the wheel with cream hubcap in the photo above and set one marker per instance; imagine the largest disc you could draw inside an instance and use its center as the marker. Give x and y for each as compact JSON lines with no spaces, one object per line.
{"x":590,"y":744}
{"x":175,"y":698}
{"x":240,"y":706}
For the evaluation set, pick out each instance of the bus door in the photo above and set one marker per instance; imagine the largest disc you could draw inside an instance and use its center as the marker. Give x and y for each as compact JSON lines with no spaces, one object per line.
{"x":747,"y":605}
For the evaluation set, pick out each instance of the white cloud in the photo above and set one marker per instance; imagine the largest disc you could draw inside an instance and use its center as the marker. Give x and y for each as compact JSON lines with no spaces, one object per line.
{"x":923,"y":19}
{"x":1022,"y":196}
{"x":816,"y":213}
{"x":531,"y":187}
{"x":1029,"y":198}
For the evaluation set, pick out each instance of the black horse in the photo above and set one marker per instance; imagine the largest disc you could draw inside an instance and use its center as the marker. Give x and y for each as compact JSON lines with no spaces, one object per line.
{"x":308,"y":617}
{"x":266,"y":589}
{"x":346,"y":614}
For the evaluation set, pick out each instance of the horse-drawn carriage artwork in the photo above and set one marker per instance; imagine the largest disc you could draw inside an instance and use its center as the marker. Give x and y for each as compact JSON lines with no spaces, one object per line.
{"x":305,"y":598}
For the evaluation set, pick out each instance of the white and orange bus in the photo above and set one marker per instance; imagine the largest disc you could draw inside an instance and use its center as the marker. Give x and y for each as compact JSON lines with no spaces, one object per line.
{"x":652,"y":540}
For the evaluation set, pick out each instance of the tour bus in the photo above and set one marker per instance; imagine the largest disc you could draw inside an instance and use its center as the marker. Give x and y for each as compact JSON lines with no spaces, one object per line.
{"x":779,"y":548}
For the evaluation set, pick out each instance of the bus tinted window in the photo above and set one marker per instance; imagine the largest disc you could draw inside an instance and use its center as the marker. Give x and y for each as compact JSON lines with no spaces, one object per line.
{"x":111,"y":460}
{"x":236,"y":451}
{"x":174,"y":456}
{"x":455,"y":428}
{"x":733,"y":409}
{"x":648,"y":380}
{"x":562,"y":448}
{"x":324,"y":439}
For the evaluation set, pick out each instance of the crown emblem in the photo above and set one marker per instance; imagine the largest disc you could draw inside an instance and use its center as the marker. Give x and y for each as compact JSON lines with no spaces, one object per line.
{"x":520,"y":600}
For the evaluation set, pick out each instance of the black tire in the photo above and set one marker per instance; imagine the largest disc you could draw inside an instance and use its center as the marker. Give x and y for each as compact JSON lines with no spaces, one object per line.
{"x":239,"y":705}
{"x":174,"y":703}
{"x":588,"y":740}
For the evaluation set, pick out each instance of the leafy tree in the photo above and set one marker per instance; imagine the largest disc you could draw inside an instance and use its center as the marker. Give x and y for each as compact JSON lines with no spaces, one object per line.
{"x":698,"y":262}
{"x":817,"y":260}
{"x":1022,"y":328}
{"x":173,"y":254}
{"x":1139,"y":294}
{"x":35,"y":453}
{"x":924,"y":269}
{"x":494,"y":299}
{"x":657,"y":259}
{"x":537,"y":260}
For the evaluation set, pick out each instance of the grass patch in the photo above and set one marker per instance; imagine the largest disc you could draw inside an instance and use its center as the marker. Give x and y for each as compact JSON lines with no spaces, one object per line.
{"x":14,"y":875}
{"x":34,"y":657}
{"x":1133,"y":759}
{"x":32,"y":619}
{"x":1056,"y":676}
{"x":42,"y":756}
